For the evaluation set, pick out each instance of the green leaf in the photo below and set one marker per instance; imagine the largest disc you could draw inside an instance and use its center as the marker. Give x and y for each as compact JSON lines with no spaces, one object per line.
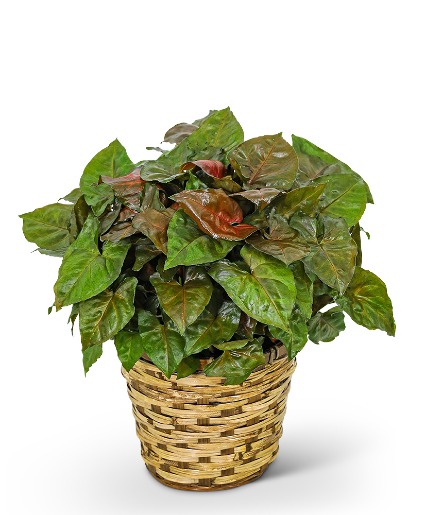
{"x":220,"y":130}
{"x":187,"y":245}
{"x":304,"y":285}
{"x":129,"y":347}
{"x":112,"y":161}
{"x":266,"y":294}
{"x":90,"y":356}
{"x":295,"y":338}
{"x":75,"y":311}
{"x":265,"y":162}
{"x":187,"y":367}
{"x":73,"y":196}
{"x":104,"y":315}
{"x":215,"y":213}
{"x":325,"y":327}
{"x":344,"y":196}
{"x":144,"y":252}
{"x":162,"y":343}
{"x":283,"y":242}
{"x":237,"y":365}
{"x":85,"y":271}
{"x":314,"y":162}
{"x":232,"y":345}
{"x":367,"y":302}
{"x":194,"y":183}
{"x":333,"y":251}
{"x":356,"y":235}
{"x":184,"y":303}
{"x":209,"y":330}
{"x":49,"y":227}
{"x":304,"y":200}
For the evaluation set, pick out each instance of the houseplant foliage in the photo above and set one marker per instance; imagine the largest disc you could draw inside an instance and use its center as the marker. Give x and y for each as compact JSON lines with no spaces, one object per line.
{"x":218,"y":248}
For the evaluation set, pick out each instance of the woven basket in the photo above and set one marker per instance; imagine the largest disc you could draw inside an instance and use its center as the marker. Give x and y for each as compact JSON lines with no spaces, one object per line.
{"x":198,"y":434}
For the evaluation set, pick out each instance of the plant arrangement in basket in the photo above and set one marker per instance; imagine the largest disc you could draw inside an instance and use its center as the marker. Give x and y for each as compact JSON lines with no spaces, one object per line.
{"x":217,"y":249}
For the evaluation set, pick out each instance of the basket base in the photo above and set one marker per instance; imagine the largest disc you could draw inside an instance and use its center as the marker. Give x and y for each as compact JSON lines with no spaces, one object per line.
{"x":212,"y":488}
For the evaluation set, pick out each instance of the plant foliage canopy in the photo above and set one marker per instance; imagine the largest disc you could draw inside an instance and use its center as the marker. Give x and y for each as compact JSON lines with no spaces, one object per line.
{"x":218,"y":248}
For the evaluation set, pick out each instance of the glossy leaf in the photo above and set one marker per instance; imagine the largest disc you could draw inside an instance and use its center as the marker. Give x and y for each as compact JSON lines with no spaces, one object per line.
{"x":73,"y":196}
{"x":261,"y":198}
{"x":211,"y":330}
{"x":112,"y":161}
{"x":304,"y":200}
{"x":144,"y":252}
{"x":266,"y":294}
{"x":333,"y":251}
{"x":232,"y":345}
{"x":237,"y":365}
{"x":344,"y":196}
{"x":129,"y":346}
{"x":227,"y":184}
{"x":295,"y":338}
{"x":220,"y":130}
{"x":179,"y":132}
{"x":187,"y":245}
{"x":194,"y":183}
{"x":127,"y":189}
{"x":85,"y":271}
{"x":315,"y":162}
{"x":162,"y":344}
{"x":367,"y":302}
{"x":91,"y":355}
{"x":154,"y":224}
{"x":184,"y":303}
{"x":119,"y":232}
{"x":304,"y":285}
{"x":265,"y":162}
{"x":104,"y":315}
{"x":215,"y":213}
{"x":325,"y":327}
{"x":187,"y":367}
{"x":49,"y":227}
{"x":283,"y":242}
{"x":210,"y":167}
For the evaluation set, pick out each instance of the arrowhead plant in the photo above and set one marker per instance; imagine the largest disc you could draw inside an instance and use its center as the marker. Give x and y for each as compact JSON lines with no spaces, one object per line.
{"x":217,"y":249}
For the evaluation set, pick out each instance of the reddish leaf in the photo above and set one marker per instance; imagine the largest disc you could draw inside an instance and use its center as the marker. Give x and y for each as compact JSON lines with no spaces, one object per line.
{"x":154,"y":224}
{"x":214,"y":212}
{"x":119,"y":231}
{"x":127,"y":189}
{"x":214,"y":168}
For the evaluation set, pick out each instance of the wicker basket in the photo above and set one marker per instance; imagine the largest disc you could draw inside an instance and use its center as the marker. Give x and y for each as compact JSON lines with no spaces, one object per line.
{"x":198,"y":434}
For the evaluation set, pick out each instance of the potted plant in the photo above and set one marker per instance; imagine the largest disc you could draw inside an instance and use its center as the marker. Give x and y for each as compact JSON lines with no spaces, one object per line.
{"x":210,"y":268}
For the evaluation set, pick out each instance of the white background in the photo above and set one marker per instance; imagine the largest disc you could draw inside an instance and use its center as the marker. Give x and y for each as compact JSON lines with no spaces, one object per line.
{"x":347,"y":76}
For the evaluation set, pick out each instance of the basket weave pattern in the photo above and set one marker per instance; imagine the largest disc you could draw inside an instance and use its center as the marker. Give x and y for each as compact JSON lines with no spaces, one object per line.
{"x":198,"y":434}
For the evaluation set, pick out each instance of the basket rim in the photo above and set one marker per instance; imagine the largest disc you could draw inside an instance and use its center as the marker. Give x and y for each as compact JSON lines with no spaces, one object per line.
{"x":276,"y":352}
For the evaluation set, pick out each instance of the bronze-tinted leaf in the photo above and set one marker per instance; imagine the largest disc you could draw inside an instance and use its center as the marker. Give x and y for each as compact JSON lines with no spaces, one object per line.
{"x":208,"y":166}
{"x":215,"y":213}
{"x":154,"y":224}
{"x":283,"y":242}
{"x":261,"y":198}
{"x":127,"y":189}
{"x":179,"y":132}
{"x":119,"y":231}
{"x":265,"y":162}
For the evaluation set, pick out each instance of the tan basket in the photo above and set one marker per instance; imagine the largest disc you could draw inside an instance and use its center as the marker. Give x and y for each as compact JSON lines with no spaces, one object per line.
{"x":198,"y":434}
